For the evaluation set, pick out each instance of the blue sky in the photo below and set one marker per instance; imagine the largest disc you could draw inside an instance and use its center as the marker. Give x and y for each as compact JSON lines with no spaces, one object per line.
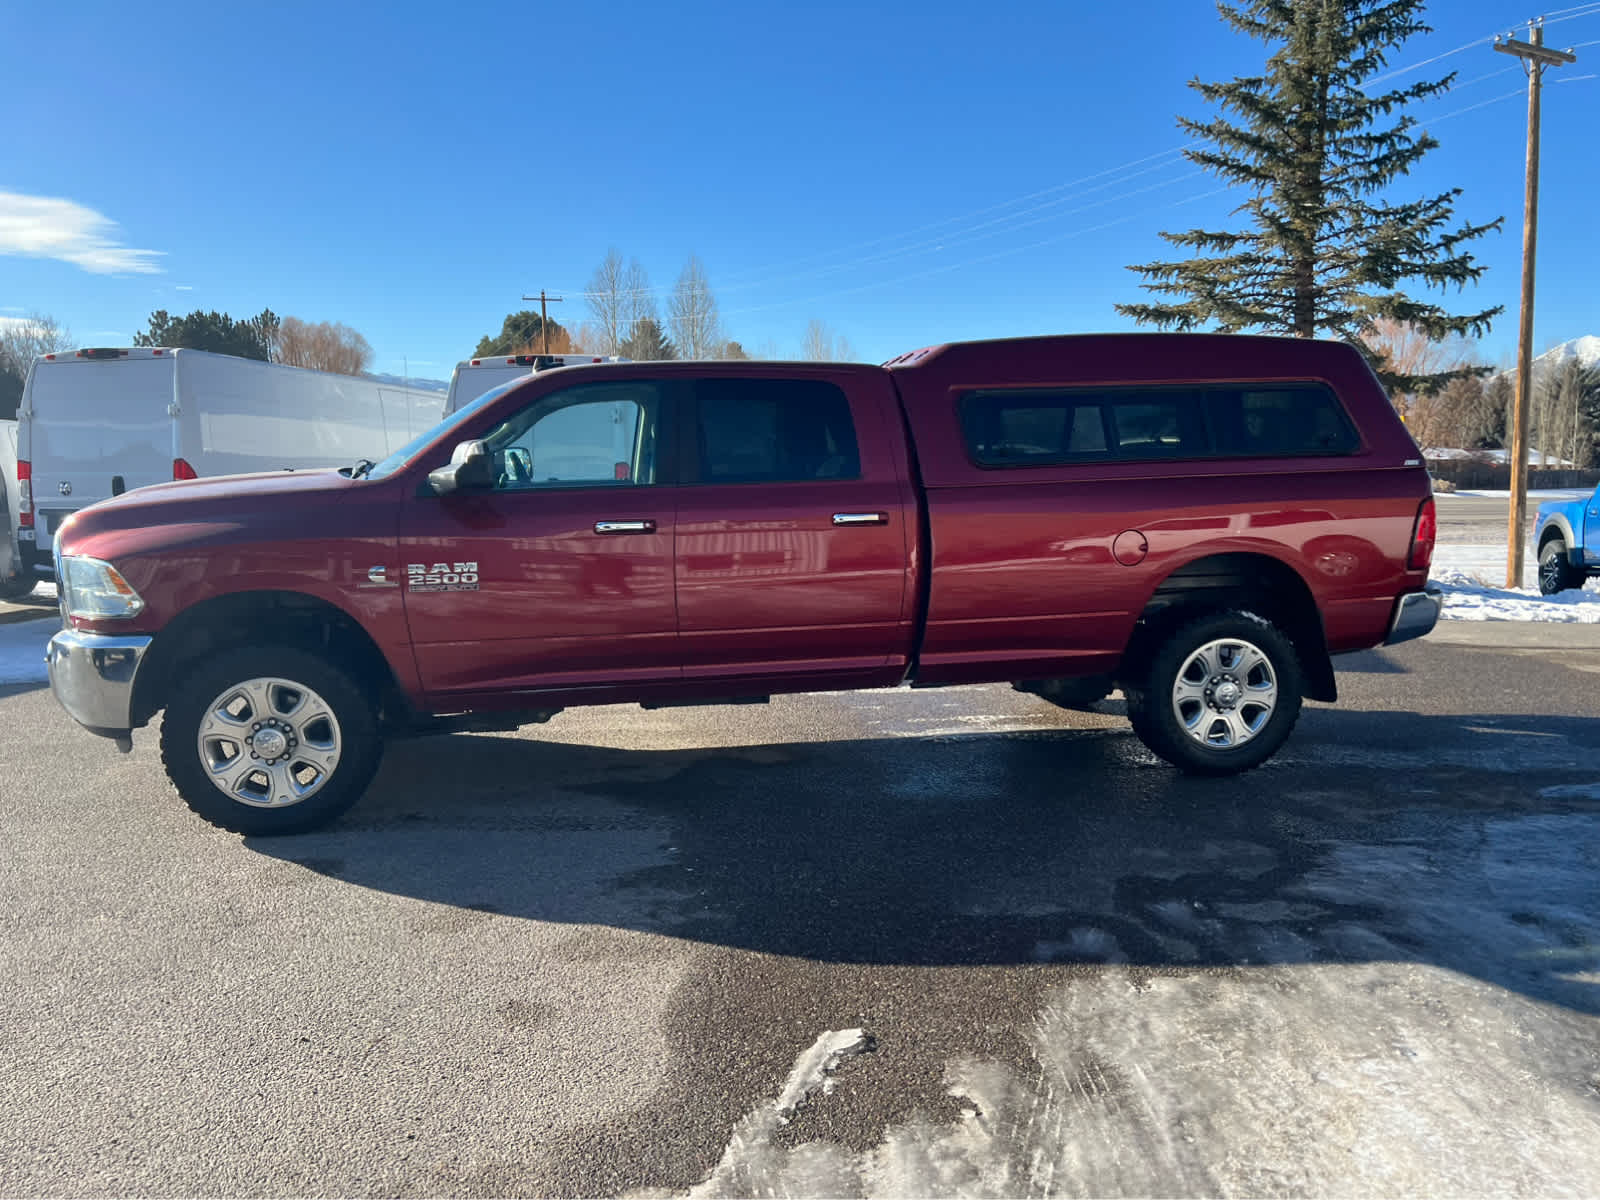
{"x":907,"y":173}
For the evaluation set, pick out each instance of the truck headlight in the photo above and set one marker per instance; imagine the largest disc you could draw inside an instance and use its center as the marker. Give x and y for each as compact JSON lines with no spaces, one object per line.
{"x":95,"y":590}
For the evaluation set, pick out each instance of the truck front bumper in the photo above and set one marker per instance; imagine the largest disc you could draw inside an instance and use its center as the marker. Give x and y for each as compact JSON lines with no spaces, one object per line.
{"x":92,"y":676}
{"x":1416,"y":614}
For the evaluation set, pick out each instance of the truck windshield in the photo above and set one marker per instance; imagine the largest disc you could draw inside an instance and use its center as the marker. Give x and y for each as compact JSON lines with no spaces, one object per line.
{"x":423,"y":440}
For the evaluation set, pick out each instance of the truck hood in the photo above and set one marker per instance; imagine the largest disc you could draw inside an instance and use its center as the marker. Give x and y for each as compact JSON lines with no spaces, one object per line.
{"x":195,"y":509}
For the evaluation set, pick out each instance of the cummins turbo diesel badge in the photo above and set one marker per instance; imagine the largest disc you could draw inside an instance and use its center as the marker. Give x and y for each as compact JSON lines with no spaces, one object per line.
{"x":442,"y":577}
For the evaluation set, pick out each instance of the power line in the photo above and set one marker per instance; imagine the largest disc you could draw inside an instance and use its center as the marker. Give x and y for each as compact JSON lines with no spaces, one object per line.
{"x":967,"y":232}
{"x":948,"y":267}
{"x":954,"y":235}
{"x":1554,"y":18}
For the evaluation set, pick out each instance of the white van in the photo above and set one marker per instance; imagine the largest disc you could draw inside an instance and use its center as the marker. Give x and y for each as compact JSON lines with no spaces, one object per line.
{"x":96,"y":423}
{"x":475,"y":376}
{"x":14,"y":581}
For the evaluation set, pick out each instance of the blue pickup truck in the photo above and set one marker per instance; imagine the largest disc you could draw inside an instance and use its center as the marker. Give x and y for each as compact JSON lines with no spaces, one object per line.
{"x":1567,"y":533}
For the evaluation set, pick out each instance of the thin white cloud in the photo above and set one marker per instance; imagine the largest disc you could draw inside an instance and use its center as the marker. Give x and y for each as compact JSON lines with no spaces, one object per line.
{"x":50,"y":227}
{"x":184,"y":287}
{"x":9,"y":308}
{"x":108,"y":333}
{"x":15,"y":322}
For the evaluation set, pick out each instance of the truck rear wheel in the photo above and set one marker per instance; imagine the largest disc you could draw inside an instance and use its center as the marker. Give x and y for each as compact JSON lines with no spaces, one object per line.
{"x":1221,"y":694}
{"x":269,"y":740}
{"x":1556,"y":572}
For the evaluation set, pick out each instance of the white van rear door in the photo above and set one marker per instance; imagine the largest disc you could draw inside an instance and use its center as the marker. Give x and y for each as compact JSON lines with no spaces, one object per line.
{"x":95,"y":420}
{"x":468,"y":382}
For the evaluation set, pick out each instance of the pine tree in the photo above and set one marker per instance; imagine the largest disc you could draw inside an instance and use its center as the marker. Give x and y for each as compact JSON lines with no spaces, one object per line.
{"x":255,"y":337}
{"x":647,"y":342}
{"x":523,"y":332}
{"x":1327,"y":250}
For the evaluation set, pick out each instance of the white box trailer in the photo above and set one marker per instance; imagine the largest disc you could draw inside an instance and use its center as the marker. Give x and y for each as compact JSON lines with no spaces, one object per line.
{"x":475,"y":376}
{"x":95,"y":423}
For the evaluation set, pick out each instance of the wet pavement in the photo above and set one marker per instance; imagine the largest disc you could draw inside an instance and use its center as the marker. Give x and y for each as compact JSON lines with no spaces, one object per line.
{"x":597,"y":957}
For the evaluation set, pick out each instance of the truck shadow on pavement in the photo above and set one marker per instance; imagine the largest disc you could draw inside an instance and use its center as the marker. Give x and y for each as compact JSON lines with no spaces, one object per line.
{"x":1471,"y":843}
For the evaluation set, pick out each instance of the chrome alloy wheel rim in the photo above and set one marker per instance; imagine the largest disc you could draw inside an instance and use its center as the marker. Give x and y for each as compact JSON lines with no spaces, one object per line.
{"x":1225,"y":693}
{"x":269,"y":742}
{"x":1550,"y":574}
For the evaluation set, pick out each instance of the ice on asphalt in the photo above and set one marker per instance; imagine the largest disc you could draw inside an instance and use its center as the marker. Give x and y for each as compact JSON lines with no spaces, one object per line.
{"x":22,"y":651}
{"x":1389,"y":1073}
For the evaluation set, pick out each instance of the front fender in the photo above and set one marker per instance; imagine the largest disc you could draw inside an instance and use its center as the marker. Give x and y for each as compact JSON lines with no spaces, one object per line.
{"x":1558,"y":519}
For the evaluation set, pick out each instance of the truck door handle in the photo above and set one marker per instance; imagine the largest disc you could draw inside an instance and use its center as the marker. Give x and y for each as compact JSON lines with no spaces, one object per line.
{"x":858,"y":518}
{"x":624,"y":526}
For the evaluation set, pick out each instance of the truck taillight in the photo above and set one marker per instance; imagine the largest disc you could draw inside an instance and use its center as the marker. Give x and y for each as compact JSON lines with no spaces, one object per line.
{"x":1423,"y":535}
{"x":182,"y":470}
{"x":24,"y":494}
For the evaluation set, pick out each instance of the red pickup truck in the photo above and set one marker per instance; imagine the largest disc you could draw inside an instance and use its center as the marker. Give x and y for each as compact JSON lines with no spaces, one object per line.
{"x":1199,"y":520}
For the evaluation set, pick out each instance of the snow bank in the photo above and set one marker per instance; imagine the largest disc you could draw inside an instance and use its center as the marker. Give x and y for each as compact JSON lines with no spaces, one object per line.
{"x":1471,"y":578}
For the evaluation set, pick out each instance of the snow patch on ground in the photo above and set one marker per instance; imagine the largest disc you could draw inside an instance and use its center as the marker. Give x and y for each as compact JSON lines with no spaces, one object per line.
{"x":22,"y":650}
{"x":1427,"y":1082}
{"x":1457,"y":1056}
{"x":1472,"y":576}
{"x":1537,"y":494}
{"x":751,"y":1159}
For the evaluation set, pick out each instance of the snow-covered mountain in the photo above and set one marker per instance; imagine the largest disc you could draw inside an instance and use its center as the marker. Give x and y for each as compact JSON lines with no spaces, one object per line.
{"x":1585,"y":349}
{"x":414,"y":381}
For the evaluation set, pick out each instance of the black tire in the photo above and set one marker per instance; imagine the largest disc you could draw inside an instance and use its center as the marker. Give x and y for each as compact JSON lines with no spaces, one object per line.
{"x":19,"y":587}
{"x":273,"y":673}
{"x":1556,"y":572}
{"x":1255,"y":731}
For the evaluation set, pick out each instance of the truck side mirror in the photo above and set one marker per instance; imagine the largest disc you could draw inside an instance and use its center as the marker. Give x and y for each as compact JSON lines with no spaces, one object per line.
{"x":470,"y":470}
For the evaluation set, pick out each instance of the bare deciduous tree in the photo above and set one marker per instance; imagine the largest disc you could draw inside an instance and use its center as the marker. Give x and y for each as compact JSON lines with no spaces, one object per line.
{"x":641,"y":299}
{"x":1563,"y":393}
{"x":608,"y":305}
{"x":1405,"y":350}
{"x":22,"y":339}
{"x":1464,"y":414}
{"x":692,"y":319}
{"x":619,"y":298}
{"x":321,"y":346}
{"x":821,"y":345}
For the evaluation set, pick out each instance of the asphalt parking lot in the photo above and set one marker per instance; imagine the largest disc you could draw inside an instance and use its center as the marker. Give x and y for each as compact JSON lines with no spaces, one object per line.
{"x":949,"y":942}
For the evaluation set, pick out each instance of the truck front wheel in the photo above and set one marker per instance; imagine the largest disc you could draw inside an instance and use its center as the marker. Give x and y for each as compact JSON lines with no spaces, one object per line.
{"x":1556,"y":572}
{"x":269,"y":740}
{"x":1221,"y":694}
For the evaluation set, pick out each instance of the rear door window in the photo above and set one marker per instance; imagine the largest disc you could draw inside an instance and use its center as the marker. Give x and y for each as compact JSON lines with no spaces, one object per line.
{"x":772,"y":431}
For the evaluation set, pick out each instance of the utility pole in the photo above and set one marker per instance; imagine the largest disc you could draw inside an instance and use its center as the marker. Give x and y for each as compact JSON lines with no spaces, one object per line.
{"x":1535,"y":58}
{"x":544,"y":317}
